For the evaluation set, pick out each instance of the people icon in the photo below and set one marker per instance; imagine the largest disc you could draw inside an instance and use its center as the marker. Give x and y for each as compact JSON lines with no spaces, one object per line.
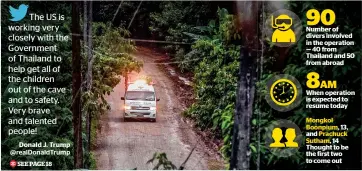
{"x":283,"y":32}
{"x":277,"y":135}
{"x":290,"y":136}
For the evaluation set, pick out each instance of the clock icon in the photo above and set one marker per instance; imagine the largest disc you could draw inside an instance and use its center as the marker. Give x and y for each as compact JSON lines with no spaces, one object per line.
{"x":283,"y":92}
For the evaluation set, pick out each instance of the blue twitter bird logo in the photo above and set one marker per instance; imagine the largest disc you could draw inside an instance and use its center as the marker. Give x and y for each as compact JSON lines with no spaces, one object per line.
{"x":18,"y":14}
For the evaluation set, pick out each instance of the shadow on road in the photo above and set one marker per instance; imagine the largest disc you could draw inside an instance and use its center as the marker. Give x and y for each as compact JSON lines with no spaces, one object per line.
{"x":137,"y":120}
{"x":115,"y":119}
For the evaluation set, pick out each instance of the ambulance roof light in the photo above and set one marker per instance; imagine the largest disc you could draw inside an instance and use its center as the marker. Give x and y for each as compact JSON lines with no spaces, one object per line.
{"x":140,"y":82}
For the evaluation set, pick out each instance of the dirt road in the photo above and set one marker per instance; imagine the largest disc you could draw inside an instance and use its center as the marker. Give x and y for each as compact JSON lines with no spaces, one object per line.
{"x":129,"y":145}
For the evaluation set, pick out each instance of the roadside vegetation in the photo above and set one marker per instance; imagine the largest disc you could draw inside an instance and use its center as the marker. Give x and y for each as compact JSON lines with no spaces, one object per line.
{"x":215,"y":77}
{"x":111,"y":60}
{"x":213,"y":58}
{"x":201,"y":38}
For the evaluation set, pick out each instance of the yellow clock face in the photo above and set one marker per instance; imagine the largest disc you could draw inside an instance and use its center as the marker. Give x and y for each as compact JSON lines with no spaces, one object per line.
{"x":283,"y":92}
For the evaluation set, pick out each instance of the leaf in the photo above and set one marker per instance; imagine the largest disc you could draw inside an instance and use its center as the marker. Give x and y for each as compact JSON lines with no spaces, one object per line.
{"x":194,"y":36}
{"x":253,"y":121}
{"x":253,"y":148}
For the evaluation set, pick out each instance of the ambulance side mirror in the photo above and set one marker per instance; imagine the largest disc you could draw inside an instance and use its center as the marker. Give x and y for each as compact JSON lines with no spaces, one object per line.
{"x":122,"y":98}
{"x":157,"y":99}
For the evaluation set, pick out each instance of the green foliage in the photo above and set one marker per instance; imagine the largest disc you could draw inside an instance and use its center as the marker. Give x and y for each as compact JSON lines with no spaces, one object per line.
{"x":176,"y":18}
{"x":213,"y":58}
{"x":347,"y":76}
{"x":93,"y":161}
{"x":215,"y":78}
{"x":112,"y":59}
{"x":162,"y":161}
{"x":226,"y":129}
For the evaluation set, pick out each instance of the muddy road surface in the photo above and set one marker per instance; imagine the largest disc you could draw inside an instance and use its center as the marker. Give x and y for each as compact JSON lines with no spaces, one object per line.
{"x":129,"y":145}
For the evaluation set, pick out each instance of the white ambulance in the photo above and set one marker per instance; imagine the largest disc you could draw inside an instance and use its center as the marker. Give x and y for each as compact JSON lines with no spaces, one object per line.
{"x":140,"y":101}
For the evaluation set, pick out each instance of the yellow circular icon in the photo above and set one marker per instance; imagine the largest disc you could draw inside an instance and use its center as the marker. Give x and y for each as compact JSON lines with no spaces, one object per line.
{"x":283,"y":92}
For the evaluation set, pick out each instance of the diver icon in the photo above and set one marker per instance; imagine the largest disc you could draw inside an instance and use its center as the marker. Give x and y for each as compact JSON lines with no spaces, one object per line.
{"x":290,"y":135}
{"x":283,"y":32}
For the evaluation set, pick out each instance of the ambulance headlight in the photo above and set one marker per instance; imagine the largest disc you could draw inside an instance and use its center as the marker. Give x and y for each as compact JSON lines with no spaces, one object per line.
{"x":152,"y":108}
{"x":127,"y":107}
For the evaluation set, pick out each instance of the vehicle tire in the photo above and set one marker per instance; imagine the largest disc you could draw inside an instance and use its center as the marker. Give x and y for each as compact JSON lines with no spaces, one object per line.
{"x":153,"y":120}
{"x":125,"y":119}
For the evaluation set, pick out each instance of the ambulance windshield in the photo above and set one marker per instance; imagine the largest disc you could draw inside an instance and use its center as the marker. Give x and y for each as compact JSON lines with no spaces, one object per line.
{"x":140,"y":95}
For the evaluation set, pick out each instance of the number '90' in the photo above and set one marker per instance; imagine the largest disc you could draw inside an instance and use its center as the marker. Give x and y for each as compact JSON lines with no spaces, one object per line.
{"x":314,"y":17}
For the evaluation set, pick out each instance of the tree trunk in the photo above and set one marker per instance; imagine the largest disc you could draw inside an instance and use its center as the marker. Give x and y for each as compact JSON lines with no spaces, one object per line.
{"x":240,"y":156}
{"x":90,"y":67}
{"x":88,"y":47}
{"x":85,"y":50}
{"x":76,"y":83}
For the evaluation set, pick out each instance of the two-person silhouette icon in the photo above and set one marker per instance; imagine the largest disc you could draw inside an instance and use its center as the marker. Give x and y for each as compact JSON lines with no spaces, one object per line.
{"x":290,"y":135}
